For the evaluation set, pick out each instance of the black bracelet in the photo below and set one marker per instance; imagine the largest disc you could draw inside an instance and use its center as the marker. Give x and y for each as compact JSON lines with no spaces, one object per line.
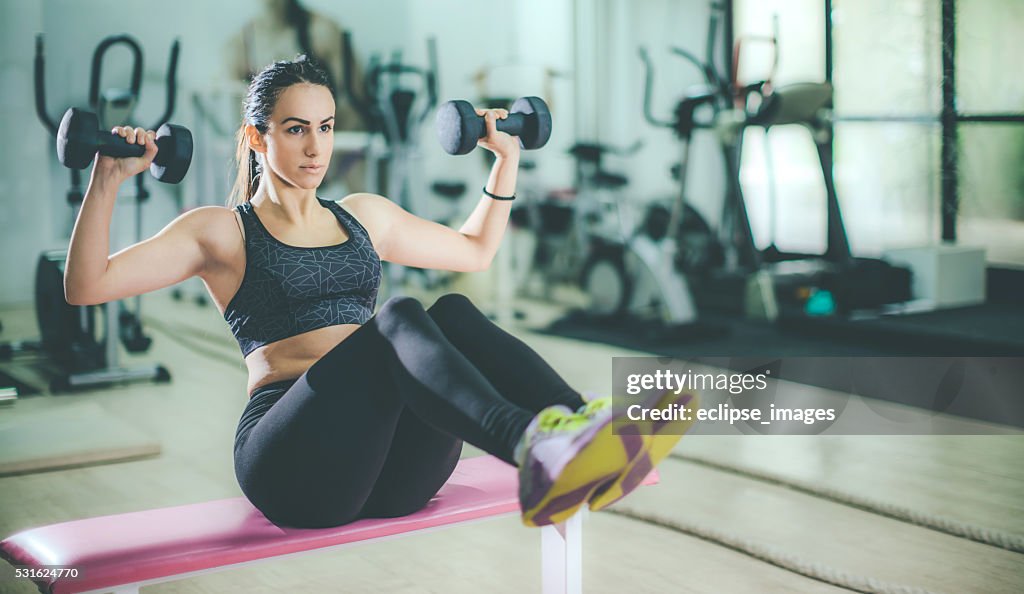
{"x":496,"y":197}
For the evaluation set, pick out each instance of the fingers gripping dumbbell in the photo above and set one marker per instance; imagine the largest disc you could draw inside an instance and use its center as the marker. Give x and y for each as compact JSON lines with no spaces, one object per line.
{"x":458,"y":126}
{"x":80,"y":138}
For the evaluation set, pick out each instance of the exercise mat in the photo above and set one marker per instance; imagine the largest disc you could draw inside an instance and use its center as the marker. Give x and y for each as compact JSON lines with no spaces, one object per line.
{"x":715,"y":335}
{"x":42,"y":434}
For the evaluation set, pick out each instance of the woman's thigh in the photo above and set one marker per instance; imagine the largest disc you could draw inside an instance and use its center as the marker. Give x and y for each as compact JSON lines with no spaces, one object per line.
{"x":313,"y":458}
{"x":515,"y":370}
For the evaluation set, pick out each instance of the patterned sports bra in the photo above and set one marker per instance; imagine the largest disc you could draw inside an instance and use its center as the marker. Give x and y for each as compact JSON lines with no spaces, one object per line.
{"x":288,"y":290}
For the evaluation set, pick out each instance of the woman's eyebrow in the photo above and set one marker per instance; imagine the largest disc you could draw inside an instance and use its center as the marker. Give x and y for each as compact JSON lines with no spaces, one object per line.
{"x":305,"y":122}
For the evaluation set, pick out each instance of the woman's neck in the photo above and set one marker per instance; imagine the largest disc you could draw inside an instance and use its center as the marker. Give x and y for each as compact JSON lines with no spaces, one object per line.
{"x":297,"y":206}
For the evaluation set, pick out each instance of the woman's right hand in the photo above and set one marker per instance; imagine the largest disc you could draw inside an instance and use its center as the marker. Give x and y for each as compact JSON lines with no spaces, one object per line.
{"x":121,"y":168}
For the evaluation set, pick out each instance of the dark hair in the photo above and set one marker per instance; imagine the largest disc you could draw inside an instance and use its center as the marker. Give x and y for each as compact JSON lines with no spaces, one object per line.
{"x":265,"y":89}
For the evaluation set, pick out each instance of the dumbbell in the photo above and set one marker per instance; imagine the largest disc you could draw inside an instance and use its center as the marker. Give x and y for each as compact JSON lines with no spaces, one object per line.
{"x":79,"y":138}
{"x":458,"y":126}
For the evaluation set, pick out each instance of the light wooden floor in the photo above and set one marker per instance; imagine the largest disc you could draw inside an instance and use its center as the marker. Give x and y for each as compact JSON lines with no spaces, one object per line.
{"x":972,"y":479}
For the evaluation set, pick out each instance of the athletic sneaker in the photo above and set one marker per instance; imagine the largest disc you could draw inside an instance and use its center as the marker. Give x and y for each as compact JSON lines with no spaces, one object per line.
{"x":662,"y":437}
{"x":565,"y":457}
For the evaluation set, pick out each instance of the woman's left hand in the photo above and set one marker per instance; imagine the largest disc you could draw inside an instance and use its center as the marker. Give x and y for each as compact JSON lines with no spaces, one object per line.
{"x":503,"y":145}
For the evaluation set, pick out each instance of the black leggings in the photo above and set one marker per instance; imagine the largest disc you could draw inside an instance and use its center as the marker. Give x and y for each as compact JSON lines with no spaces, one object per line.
{"x":375,"y":427}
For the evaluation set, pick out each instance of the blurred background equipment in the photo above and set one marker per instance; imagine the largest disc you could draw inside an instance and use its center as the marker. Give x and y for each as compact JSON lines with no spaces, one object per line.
{"x":69,"y":333}
{"x":397,"y":99}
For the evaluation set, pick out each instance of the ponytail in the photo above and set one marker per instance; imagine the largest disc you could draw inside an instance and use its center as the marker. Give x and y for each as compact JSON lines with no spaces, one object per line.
{"x":247,"y":179}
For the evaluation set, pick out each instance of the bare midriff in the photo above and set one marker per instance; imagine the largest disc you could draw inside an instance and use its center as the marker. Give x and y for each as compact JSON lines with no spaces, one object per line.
{"x":288,"y":358}
{"x":291,"y":357}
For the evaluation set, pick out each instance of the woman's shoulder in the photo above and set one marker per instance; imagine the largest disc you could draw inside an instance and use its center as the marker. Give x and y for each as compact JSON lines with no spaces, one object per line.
{"x":216,"y":228}
{"x":204,"y":217}
{"x":373,"y":211}
{"x":366,"y":205}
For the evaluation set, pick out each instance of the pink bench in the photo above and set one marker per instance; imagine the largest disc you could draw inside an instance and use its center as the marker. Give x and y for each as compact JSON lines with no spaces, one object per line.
{"x":124,"y":552}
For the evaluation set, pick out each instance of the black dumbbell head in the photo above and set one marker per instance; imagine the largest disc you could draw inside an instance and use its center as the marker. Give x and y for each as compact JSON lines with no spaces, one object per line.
{"x":76,"y":138}
{"x":537,"y":129}
{"x":79,"y":138}
{"x":458,"y":127}
{"x":174,"y":155}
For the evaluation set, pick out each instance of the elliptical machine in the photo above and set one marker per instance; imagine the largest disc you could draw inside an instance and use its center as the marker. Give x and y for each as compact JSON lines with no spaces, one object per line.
{"x":68,"y":333}
{"x":391,"y":110}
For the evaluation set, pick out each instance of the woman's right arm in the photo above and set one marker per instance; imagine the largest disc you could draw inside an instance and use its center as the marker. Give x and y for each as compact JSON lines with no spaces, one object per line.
{"x":92,"y":276}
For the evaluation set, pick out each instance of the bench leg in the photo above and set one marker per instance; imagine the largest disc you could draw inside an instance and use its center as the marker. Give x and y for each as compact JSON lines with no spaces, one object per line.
{"x":562,"y":556}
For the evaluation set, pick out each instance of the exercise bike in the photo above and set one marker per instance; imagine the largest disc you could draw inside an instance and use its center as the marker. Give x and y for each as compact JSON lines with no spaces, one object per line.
{"x":567,"y":223}
{"x":646,"y":273}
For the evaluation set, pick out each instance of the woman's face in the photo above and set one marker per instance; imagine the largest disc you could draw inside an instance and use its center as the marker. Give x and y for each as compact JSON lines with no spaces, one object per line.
{"x":300,"y":135}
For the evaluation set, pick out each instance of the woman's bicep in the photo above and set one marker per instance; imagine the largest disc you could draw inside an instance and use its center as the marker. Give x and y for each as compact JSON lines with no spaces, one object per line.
{"x":408,"y":240}
{"x":425,"y":244}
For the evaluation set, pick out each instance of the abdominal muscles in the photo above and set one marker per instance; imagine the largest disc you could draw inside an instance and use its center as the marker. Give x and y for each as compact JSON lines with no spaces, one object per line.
{"x":291,"y":357}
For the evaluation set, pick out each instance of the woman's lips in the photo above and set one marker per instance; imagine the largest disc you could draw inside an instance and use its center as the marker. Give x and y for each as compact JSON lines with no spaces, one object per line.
{"x":312,"y":168}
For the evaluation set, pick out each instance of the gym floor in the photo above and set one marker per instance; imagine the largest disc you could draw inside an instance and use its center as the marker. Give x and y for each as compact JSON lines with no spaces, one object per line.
{"x":732,"y":513}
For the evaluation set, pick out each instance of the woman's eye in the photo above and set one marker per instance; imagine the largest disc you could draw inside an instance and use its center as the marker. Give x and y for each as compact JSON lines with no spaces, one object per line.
{"x":325,"y":128}
{"x":295,"y":129}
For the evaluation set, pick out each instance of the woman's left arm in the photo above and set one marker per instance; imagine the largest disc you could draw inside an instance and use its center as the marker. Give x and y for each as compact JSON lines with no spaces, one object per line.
{"x":403,"y":238}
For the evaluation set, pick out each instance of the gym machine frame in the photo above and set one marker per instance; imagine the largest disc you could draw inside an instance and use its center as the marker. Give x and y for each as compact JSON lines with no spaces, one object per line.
{"x":105,"y":367}
{"x":387,"y":108}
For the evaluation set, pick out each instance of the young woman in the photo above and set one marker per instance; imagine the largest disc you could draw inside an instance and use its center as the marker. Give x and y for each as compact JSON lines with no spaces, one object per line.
{"x":352,"y":414}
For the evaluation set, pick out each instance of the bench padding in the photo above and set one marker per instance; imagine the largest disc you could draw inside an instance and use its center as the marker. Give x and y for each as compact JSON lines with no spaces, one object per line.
{"x":153,"y":544}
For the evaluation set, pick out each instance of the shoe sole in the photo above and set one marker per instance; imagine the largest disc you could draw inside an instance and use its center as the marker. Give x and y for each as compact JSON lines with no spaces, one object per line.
{"x":598,"y":457}
{"x":662,"y":439}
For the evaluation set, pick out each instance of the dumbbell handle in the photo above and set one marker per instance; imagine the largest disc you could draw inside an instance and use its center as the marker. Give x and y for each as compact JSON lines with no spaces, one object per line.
{"x":113,"y":145}
{"x":512,"y":125}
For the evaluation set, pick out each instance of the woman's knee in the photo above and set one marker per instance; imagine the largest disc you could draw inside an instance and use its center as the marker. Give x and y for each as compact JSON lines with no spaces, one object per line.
{"x":398,"y":311}
{"x":400,"y":307}
{"x":452,"y":307}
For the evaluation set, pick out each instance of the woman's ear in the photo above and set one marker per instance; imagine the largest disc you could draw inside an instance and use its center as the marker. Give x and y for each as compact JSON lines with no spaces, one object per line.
{"x":256,"y":141}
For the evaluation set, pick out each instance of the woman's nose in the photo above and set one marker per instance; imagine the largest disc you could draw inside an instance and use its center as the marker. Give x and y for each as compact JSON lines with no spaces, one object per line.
{"x":312,"y":146}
